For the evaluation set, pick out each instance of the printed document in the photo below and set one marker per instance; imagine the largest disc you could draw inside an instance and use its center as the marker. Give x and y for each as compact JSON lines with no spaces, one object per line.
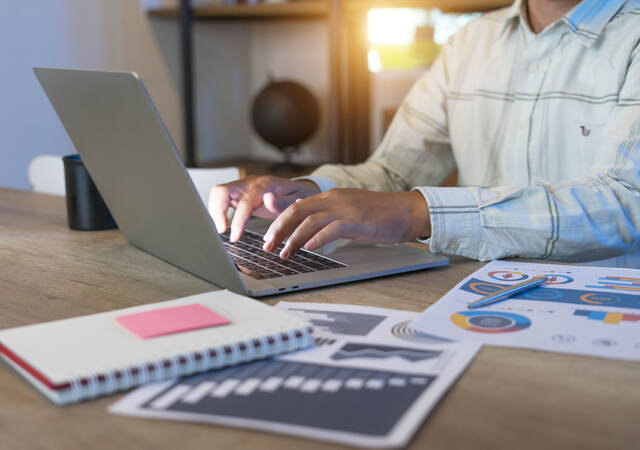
{"x":363,"y":384}
{"x":591,"y":311}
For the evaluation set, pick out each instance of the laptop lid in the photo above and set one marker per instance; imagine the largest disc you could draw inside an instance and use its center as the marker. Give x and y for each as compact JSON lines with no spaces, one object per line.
{"x":117,"y":131}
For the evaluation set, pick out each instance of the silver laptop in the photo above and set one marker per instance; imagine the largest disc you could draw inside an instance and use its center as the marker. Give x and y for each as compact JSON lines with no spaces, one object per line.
{"x":117,"y":131}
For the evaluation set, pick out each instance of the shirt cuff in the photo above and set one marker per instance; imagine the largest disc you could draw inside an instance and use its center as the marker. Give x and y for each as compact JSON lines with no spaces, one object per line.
{"x":455,"y":220}
{"x":323,"y":183}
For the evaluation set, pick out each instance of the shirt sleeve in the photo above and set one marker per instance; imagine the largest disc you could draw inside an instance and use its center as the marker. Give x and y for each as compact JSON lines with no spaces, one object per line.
{"x":597,"y":216}
{"x":323,"y":183}
{"x":416,"y":149}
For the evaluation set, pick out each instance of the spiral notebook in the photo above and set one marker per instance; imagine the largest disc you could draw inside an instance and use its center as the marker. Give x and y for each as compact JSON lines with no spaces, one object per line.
{"x":85,"y":357}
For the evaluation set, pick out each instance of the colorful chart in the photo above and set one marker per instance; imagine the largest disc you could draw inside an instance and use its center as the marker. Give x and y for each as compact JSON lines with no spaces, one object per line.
{"x":563,"y":315}
{"x":508,"y":275}
{"x":554,"y":278}
{"x":482,"y":287}
{"x":607,"y":317}
{"x":558,"y":295}
{"x":599,"y":298}
{"x":618,"y":283}
{"x":490,"y":321}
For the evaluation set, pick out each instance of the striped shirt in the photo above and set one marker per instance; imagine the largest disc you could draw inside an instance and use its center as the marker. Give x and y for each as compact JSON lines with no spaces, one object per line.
{"x":544,"y":130}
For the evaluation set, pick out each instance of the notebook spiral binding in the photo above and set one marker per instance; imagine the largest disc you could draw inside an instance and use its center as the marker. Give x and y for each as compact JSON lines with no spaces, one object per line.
{"x":97,"y":384}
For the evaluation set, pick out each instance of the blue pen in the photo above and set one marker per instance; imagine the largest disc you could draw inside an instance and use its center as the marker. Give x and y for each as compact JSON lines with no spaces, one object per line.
{"x":508,"y":292}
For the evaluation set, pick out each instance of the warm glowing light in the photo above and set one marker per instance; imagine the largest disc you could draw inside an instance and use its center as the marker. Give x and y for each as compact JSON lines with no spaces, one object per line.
{"x":409,"y":38}
{"x":374,"y":61}
{"x":394,"y":26}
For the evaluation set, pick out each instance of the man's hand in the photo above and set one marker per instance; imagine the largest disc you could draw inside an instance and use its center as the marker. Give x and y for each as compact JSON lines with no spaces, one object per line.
{"x":262,"y":196}
{"x":360,"y":215}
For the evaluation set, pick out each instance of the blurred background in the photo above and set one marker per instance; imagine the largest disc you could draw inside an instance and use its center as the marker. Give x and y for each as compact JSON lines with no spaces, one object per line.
{"x":358,"y":58}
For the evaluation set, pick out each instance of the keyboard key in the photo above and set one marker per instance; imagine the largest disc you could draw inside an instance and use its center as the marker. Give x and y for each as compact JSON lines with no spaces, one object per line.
{"x":287,"y":271}
{"x":250,"y":259}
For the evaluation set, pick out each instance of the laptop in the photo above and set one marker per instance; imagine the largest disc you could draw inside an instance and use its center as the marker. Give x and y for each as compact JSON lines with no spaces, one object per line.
{"x":133,"y":161}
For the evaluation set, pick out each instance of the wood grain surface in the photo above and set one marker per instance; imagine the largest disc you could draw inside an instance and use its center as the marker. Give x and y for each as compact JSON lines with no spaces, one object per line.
{"x":507,"y":399}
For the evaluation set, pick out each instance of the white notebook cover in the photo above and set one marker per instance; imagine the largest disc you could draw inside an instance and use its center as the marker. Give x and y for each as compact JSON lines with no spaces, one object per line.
{"x":73,"y":359}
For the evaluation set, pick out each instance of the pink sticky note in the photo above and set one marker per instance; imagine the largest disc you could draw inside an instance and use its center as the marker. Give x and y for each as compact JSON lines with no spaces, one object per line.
{"x":174,"y":319}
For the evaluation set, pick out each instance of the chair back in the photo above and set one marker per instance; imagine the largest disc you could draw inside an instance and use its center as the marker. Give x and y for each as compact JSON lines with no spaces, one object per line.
{"x":46,"y":175}
{"x":205,"y":179}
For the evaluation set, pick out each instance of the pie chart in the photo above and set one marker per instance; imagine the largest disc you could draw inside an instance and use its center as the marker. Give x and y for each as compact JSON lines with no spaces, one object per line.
{"x":490,"y":321}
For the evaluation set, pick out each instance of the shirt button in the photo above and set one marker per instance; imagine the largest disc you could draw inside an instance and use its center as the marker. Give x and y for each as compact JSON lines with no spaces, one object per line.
{"x":533,"y":67}
{"x":522,"y":124}
{"x":453,"y":246}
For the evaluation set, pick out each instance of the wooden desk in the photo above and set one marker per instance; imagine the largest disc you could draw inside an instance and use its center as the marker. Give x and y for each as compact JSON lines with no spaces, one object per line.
{"x":506,"y":399}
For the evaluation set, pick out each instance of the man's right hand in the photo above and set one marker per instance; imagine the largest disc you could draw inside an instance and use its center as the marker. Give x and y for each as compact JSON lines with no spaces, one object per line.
{"x":263,"y":196}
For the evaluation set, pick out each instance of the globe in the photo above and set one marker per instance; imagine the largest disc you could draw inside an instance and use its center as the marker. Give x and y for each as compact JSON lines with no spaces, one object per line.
{"x":285,"y":115}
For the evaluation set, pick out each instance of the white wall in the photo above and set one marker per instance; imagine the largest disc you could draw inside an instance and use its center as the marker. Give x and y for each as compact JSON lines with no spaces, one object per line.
{"x":93,"y":34}
{"x":233,"y":60}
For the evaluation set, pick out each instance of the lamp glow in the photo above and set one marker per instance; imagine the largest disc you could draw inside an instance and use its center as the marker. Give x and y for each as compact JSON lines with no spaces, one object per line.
{"x":373,"y":61}
{"x":394,"y":26}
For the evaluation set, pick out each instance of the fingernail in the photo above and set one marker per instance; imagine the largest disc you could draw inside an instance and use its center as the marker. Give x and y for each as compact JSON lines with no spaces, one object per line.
{"x":234,"y":236}
{"x":285,"y":253}
{"x":310,"y":245}
{"x":268,"y":246}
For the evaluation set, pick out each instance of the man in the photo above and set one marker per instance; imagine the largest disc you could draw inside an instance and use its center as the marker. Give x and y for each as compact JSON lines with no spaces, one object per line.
{"x":538,"y":107}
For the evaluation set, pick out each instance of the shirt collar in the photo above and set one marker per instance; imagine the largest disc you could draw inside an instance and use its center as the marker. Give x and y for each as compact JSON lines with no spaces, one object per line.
{"x":586,"y":20}
{"x":512,"y":14}
{"x":589,"y":17}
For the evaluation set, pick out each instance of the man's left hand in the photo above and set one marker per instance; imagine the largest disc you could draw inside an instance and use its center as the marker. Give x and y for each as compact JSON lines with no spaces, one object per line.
{"x":360,"y":215}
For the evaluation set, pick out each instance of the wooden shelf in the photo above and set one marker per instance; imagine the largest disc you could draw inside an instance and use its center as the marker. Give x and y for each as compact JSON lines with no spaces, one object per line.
{"x":293,"y":10}
{"x":456,"y":6}
{"x":319,"y":9}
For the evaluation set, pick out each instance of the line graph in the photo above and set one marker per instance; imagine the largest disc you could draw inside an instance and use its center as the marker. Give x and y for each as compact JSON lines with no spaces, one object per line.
{"x":351,"y":350}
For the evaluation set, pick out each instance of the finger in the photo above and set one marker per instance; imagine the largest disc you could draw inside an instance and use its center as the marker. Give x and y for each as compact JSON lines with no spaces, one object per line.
{"x":242,"y":214}
{"x":218,"y":206}
{"x":277,"y":203}
{"x":335,"y":230}
{"x":289,"y":220}
{"x":307,"y":229}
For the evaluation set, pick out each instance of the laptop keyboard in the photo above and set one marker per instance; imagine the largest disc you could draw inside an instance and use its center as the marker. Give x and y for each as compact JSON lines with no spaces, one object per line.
{"x":249,"y":258}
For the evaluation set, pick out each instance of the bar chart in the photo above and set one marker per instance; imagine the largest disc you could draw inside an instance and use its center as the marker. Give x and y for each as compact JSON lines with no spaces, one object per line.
{"x":613,"y":318}
{"x":313,"y":395}
{"x":618,"y":283}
